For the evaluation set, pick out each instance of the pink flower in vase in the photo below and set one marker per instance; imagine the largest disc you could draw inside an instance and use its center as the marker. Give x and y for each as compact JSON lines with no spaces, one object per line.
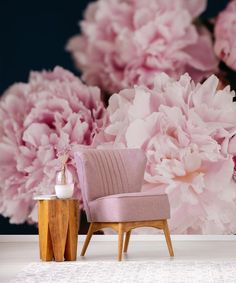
{"x":51,"y":112}
{"x":185,"y":130}
{"x":225,"y":30}
{"x":64,"y":185}
{"x":232,"y":150}
{"x":234,"y":175}
{"x":127,"y":42}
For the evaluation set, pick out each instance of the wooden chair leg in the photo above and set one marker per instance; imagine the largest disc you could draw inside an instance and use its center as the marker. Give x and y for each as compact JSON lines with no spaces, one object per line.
{"x":127,"y":237}
{"x":120,"y":241}
{"x":168,"y":239}
{"x":88,"y":238}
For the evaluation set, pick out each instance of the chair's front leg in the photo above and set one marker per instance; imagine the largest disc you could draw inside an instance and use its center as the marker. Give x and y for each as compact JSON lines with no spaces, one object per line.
{"x":120,"y":241}
{"x":88,"y":238}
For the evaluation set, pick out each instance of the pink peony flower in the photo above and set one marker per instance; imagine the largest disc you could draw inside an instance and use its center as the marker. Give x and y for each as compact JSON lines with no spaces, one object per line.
{"x":232,"y":148}
{"x":127,"y":42}
{"x":225,"y":30}
{"x":53,"y":112}
{"x":234,"y":175}
{"x":185,"y":129}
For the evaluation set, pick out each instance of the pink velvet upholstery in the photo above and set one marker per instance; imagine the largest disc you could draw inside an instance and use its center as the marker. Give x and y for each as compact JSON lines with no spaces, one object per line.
{"x":138,"y":206}
{"x":111,"y":182}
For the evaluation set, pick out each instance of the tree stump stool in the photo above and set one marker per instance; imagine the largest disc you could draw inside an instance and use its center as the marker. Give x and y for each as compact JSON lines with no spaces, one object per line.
{"x":58,"y":229}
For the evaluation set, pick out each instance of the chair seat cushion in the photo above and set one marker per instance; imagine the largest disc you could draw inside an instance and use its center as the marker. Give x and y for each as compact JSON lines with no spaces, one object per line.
{"x":140,"y":206}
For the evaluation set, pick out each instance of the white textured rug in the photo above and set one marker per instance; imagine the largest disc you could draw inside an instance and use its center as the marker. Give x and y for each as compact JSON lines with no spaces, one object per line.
{"x":166,"y":271}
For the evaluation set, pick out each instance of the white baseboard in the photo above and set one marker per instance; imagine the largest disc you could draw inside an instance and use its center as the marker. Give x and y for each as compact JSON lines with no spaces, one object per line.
{"x":101,"y":238}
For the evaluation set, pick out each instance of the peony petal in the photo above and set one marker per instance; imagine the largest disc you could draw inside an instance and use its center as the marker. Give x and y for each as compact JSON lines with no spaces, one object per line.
{"x":34,"y":133}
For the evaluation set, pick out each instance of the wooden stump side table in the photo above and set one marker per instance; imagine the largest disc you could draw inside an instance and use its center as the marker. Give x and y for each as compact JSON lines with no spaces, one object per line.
{"x":58,"y":229}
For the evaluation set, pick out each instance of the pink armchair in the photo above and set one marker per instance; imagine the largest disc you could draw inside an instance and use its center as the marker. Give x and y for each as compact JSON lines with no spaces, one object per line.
{"x":111,"y":182}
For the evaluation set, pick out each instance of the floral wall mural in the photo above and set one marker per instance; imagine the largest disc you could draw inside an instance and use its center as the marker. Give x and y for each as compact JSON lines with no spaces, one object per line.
{"x":187,"y":131}
{"x":51,"y":113}
{"x":160,"y":77}
{"x":128,"y":42}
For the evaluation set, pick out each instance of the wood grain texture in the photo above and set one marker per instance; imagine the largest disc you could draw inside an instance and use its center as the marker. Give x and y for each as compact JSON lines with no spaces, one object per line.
{"x":45,"y":243}
{"x":127,"y":237}
{"x":122,"y":227}
{"x":58,"y":226}
{"x":72,"y":233}
{"x":92,"y":229}
{"x":58,"y":229}
{"x":120,"y":240}
{"x":168,"y":239}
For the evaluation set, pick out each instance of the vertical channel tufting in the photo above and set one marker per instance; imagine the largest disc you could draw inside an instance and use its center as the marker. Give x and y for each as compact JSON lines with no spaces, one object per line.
{"x":101,"y":184}
{"x":106,"y":171}
{"x":110,"y":173}
{"x":102,"y":171}
{"x":119,"y":171}
{"x":123,"y":172}
{"x":118,"y":188}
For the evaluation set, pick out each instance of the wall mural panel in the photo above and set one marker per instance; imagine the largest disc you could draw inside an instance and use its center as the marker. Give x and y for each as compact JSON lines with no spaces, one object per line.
{"x":121,"y":73}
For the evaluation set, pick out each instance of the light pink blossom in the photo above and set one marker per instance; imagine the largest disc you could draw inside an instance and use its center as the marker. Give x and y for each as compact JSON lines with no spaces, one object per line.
{"x":127,"y":42}
{"x":225,"y":40}
{"x":185,"y":130}
{"x":54,"y":111}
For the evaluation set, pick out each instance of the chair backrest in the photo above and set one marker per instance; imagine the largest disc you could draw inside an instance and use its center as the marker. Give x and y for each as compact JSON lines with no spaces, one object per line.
{"x":105,"y":172}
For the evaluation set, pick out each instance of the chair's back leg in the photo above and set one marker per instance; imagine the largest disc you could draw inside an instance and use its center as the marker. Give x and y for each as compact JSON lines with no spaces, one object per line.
{"x":127,"y":237}
{"x":88,"y":238}
{"x":167,"y":236}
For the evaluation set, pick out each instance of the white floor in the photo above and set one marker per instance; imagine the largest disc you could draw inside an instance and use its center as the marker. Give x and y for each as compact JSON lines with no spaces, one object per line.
{"x":16,"y":255}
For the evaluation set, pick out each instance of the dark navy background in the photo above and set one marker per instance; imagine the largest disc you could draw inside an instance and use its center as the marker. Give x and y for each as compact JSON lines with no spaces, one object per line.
{"x":33,"y":35}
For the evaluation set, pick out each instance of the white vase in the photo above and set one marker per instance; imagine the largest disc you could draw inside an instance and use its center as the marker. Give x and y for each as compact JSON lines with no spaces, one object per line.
{"x":64,"y":187}
{"x":64,"y":191}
